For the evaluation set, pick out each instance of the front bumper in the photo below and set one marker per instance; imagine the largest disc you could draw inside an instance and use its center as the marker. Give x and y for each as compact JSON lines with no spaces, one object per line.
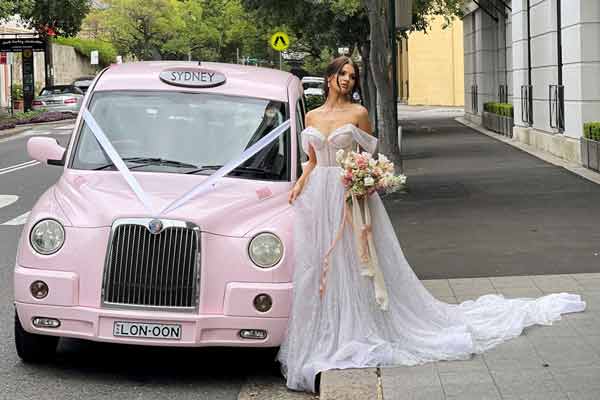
{"x":198,"y":329}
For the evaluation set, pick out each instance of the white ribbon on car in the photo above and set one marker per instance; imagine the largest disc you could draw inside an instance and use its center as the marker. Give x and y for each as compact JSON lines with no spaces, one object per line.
{"x":116,"y":159}
{"x":201,"y":188}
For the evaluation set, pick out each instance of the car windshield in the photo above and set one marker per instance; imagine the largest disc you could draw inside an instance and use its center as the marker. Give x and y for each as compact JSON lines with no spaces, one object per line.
{"x":312,"y":85}
{"x":53,"y":90}
{"x":185,"y":133}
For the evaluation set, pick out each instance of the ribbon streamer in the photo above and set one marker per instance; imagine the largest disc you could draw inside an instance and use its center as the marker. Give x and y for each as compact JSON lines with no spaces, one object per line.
{"x":363,"y":237}
{"x":116,"y":159}
{"x":209,"y":183}
{"x":201,"y":188}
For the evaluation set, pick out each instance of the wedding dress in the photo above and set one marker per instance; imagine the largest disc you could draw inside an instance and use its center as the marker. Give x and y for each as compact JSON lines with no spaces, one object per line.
{"x":348,"y":327}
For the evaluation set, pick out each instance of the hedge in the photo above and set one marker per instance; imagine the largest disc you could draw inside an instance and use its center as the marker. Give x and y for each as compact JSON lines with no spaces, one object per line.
{"x":503,"y":109}
{"x":107,"y":54}
{"x":591,"y":130}
{"x":314,"y":101}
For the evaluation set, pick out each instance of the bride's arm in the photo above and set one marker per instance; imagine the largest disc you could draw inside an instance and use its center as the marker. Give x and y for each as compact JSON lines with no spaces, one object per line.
{"x":308,"y":167}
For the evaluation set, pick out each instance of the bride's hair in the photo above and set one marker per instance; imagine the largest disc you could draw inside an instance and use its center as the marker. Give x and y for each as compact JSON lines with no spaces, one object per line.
{"x":334,"y":68}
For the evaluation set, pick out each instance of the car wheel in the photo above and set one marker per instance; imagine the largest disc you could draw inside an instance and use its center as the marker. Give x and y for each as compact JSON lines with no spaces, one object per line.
{"x":32,"y":348}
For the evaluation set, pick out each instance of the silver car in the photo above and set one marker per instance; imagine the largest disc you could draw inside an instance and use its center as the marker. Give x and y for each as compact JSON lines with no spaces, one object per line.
{"x":65,"y":98}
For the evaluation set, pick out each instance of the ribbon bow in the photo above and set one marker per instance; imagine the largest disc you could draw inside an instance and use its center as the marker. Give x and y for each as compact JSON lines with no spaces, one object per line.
{"x":363,"y":236}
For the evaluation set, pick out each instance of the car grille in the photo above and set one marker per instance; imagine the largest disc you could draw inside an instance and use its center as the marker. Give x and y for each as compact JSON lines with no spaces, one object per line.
{"x":152,"y":270}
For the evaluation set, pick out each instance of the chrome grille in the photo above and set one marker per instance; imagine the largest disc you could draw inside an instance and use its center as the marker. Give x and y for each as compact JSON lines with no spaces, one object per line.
{"x":152,"y":270}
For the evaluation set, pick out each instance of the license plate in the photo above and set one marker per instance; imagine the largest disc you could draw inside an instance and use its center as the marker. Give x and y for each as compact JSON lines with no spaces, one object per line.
{"x":146,"y":330}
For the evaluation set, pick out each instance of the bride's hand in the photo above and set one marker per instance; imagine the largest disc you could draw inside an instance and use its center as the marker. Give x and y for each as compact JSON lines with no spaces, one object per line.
{"x":295,"y":192}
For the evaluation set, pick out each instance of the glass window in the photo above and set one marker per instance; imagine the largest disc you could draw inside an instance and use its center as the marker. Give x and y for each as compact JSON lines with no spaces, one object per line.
{"x":300,"y":155}
{"x":186,"y":132}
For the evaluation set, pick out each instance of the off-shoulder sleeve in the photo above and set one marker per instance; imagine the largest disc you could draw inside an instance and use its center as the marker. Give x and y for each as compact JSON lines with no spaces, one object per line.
{"x":305,"y":142}
{"x":366,"y":141}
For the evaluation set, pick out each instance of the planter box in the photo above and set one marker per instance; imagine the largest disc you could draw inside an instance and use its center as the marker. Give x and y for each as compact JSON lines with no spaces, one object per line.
{"x":590,"y":154}
{"x":498,"y":123}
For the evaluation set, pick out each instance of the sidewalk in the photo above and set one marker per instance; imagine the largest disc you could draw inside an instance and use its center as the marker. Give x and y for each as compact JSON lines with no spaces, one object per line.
{"x":558,"y":362}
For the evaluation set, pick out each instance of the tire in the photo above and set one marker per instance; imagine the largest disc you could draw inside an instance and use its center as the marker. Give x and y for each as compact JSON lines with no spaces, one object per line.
{"x":32,"y":348}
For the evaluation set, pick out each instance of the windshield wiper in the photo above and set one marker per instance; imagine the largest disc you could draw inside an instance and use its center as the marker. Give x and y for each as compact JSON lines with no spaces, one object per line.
{"x":237,"y":169}
{"x":143,"y":161}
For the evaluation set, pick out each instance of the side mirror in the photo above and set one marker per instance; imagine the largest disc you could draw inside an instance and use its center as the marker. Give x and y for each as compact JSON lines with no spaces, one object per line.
{"x":46,"y":150}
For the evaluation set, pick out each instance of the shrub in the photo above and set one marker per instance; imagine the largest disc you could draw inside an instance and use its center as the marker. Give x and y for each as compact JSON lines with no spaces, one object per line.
{"x":314,"y":102}
{"x":503,"y":109}
{"x":16,"y":92}
{"x":106,"y":52}
{"x":591,"y":130}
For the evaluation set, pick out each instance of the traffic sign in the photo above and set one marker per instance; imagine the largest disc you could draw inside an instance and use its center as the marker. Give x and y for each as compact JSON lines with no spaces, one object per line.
{"x":280,"y":41}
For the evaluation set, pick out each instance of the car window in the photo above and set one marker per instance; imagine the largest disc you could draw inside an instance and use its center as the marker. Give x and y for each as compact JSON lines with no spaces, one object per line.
{"x":54,"y":90}
{"x":197,"y":129}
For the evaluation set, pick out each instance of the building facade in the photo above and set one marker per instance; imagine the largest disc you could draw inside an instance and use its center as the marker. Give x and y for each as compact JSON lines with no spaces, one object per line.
{"x":543,"y":56}
{"x":430,"y":66}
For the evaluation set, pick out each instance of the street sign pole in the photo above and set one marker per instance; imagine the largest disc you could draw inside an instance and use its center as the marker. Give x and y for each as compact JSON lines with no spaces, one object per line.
{"x":280,"y":61}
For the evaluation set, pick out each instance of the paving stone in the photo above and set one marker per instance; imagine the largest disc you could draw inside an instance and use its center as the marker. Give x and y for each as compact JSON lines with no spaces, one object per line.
{"x":516,"y":354}
{"x":447,"y":299}
{"x":566,"y":352}
{"x":406,"y":378}
{"x":473,"y":391}
{"x":592,"y":300}
{"x":560,"y":328}
{"x":542,"y":395}
{"x":589,"y":283}
{"x":584,"y":379}
{"x":556,"y":283}
{"x":425,"y":393}
{"x":521,"y":292}
{"x":272,"y":388}
{"x":512,"y":282}
{"x":594,"y":341}
{"x":585,"y":276}
{"x":474,"y":364}
{"x":526,"y":382}
{"x":438,"y":287}
{"x":585,"y":323}
{"x":472,"y":286}
{"x":349,"y":384}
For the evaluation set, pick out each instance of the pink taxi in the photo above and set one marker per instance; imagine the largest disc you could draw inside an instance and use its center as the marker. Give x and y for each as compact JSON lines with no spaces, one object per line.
{"x":124,"y":249}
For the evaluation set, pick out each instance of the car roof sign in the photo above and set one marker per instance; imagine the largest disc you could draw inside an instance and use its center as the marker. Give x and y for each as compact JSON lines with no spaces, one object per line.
{"x":192,"y":77}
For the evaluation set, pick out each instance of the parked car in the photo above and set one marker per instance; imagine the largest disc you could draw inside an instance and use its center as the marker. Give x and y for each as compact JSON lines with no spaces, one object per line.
{"x":95,"y":263}
{"x":313,"y":85}
{"x":66,"y":98}
{"x":83,"y":82}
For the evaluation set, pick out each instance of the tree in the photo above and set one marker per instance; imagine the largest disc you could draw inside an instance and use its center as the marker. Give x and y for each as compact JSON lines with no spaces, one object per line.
{"x":360,"y":24}
{"x":64,"y":17}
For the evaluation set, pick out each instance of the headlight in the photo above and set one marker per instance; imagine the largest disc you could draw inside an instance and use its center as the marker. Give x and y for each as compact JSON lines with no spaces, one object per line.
{"x":265,"y":250}
{"x":47,"y":236}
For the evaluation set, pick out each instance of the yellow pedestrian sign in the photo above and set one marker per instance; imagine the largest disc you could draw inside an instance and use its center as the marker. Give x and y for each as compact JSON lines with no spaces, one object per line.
{"x":280,"y":41}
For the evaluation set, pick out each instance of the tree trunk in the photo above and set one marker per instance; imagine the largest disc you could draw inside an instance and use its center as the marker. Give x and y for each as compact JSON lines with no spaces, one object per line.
{"x":367,"y":84}
{"x":380,"y":61}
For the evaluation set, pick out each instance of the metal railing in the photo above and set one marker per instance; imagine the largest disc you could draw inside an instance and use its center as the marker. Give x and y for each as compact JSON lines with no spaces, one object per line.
{"x":527,"y":104}
{"x":556,"y":105}
{"x":503,"y":93}
{"x":474,"y":99}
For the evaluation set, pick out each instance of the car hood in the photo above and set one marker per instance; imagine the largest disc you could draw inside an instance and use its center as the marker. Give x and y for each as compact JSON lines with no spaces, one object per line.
{"x":234,"y":207}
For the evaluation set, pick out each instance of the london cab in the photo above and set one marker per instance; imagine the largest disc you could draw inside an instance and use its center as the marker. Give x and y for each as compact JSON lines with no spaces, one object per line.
{"x":170,"y":224}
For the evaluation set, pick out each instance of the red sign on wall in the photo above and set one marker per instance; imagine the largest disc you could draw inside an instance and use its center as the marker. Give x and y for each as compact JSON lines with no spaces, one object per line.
{"x":3,"y":58}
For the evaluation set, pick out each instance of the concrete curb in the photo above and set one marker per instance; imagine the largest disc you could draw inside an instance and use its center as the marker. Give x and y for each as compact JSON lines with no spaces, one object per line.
{"x":549,"y":158}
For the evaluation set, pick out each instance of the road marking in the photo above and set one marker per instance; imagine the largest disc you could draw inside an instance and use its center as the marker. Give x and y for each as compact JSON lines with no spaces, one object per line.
{"x":20,"y":220}
{"x":18,"y":167}
{"x":7,"y":199}
{"x":33,"y":132}
{"x":65,"y":127}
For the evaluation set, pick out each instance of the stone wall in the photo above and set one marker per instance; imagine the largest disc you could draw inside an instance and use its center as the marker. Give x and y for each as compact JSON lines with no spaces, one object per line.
{"x":69,"y":64}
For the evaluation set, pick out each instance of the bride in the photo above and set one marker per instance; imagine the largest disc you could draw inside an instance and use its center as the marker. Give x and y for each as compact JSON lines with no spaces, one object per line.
{"x":342,"y":317}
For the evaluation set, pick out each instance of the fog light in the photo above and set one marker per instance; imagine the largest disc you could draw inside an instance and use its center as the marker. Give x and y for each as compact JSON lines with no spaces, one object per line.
{"x":253,"y":334}
{"x":39,"y":289}
{"x":263,"y":302}
{"x":43,"y":322}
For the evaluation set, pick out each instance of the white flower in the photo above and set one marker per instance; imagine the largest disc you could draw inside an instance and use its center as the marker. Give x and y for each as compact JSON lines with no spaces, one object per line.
{"x":369,"y":181}
{"x":339,"y":156}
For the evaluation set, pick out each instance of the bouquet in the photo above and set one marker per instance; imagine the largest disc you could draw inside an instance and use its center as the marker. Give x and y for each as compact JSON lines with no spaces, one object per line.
{"x":363,"y":175}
